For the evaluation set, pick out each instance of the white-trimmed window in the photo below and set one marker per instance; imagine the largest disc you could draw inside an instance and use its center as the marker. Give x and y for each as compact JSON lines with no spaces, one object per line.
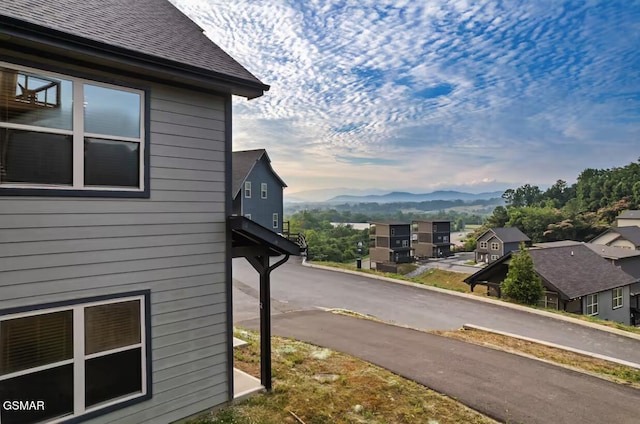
{"x":494,"y":257}
{"x":405,"y":243}
{"x":263,"y":190}
{"x":592,"y":304}
{"x":616,"y":295}
{"x":495,"y":246}
{"x":76,"y":359}
{"x":393,"y":231}
{"x":62,"y":132}
{"x":247,"y":189}
{"x":276,"y":220}
{"x":482,"y":244}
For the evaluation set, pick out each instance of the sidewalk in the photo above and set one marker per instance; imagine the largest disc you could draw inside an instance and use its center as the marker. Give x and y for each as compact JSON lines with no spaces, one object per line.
{"x":506,"y":387}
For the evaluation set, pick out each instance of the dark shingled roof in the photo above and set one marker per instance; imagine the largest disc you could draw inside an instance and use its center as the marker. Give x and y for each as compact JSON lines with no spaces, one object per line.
{"x":149,"y":27}
{"x":630,"y":214}
{"x":573,"y":271}
{"x":612,"y":252}
{"x":509,"y":234}
{"x":243,"y":162}
{"x":577,"y":270}
{"x":631,"y":233}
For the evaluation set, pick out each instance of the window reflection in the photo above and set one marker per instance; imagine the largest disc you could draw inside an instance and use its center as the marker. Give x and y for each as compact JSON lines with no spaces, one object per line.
{"x":111,"y":112}
{"x":32,"y":99}
{"x":111,"y":163}
{"x":35,"y":157}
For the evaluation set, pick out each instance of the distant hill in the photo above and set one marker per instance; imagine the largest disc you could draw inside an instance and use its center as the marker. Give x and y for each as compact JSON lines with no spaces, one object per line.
{"x":398,"y":196}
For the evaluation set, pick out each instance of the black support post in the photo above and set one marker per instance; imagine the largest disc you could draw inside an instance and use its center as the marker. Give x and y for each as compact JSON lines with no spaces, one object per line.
{"x":261,"y":264}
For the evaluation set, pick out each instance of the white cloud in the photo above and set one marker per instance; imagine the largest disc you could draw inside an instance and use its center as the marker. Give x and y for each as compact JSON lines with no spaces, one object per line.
{"x":535,"y":88}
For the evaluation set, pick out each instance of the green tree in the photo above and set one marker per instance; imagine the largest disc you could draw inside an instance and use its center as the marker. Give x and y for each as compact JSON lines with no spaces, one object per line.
{"x":522,"y":283}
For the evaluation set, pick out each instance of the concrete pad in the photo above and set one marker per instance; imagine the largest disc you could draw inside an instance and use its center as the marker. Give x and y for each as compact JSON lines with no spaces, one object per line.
{"x":245,"y":385}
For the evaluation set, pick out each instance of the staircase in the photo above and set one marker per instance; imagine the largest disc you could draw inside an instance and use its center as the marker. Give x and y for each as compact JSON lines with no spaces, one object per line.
{"x":297,"y":238}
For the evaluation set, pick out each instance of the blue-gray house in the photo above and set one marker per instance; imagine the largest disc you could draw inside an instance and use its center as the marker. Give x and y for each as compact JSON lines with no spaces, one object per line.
{"x":257,"y":189}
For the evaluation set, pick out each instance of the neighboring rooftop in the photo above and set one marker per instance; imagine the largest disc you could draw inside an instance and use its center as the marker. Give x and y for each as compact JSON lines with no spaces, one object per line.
{"x":559,"y":243}
{"x":577,"y":270}
{"x":631,"y":233}
{"x":612,"y":252}
{"x":574,"y":270}
{"x":153,"y":28}
{"x":509,"y":234}
{"x":630,"y":214}
{"x":243,"y":162}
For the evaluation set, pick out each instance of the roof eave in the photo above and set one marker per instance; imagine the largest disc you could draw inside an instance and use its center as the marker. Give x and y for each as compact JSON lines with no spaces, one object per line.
{"x":21,"y":32}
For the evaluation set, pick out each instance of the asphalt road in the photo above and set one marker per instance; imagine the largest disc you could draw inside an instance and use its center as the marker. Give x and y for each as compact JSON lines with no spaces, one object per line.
{"x":506,"y":387}
{"x":295,"y":287}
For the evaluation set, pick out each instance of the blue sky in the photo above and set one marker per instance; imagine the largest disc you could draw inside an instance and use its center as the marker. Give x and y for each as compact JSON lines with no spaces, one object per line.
{"x":415,"y":95}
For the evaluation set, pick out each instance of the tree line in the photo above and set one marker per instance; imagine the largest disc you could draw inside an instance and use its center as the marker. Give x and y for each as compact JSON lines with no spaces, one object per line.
{"x":579,"y":211}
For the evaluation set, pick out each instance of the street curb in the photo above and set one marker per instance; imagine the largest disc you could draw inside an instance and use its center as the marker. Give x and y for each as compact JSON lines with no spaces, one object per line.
{"x":481,"y":299}
{"x":554,"y":345}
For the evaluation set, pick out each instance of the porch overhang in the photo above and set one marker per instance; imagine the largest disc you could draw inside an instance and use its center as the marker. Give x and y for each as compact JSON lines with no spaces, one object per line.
{"x":258,"y":244}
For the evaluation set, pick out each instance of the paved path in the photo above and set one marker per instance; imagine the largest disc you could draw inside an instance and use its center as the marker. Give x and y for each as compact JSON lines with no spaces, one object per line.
{"x":506,"y":387}
{"x":295,"y":287}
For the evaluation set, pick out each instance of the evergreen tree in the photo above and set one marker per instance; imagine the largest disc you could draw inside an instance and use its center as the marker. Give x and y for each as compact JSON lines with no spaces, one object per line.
{"x":522,"y":283}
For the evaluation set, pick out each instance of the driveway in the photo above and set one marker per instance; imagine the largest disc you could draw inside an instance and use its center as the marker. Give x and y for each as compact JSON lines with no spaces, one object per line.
{"x":506,"y":387}
{"x":294,"y":287}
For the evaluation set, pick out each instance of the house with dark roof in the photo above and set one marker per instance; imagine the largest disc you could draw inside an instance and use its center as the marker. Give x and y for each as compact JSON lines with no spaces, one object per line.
{"x":627,"y":237}
{"x":116,"y":237}
{"x":576,"y":279}
{"x":628,"y":218}
{"x":496,"y":242}
{"x":257,"y":189}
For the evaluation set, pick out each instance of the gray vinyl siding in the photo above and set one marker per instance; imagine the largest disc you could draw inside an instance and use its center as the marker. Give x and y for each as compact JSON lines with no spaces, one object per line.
{"x":57,"y":249}
{"x":605,"y":306}
{"x":262,"y":210}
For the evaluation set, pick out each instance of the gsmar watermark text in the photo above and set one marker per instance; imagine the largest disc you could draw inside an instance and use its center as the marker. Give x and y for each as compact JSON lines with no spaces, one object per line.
{"x":23,"y":405}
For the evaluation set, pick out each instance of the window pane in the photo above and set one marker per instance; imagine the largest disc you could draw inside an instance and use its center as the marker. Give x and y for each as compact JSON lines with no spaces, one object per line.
{"x":32,"y":99}
{"x":113,"y":376}
{"x":111,"y":326}
{"x":53,"y":386}
{"x":34,"y":341}
{"x":33,"y":157}
{"x":111,"y":163}
{"x":111,"y":112}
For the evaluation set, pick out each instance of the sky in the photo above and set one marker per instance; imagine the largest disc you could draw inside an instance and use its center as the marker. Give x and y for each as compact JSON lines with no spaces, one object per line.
{"x":417,"y":95}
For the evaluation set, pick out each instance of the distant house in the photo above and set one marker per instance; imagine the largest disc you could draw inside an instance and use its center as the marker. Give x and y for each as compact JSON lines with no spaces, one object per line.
{"x":431,"y":238}
{"x":390,"y":242}
{"x":576,"y":279}
{"x":628,"y":218}
{"x":626,"y":237}
{"x":257,"y":189}
{"x":496,"y":242}
{"x":116,"y":236}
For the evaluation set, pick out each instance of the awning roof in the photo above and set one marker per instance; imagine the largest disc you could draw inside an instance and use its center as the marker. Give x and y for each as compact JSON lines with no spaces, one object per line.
{"x":250,"y":238}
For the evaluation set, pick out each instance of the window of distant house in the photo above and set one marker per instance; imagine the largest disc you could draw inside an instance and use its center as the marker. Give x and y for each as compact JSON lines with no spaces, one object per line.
{"x":76,"y":359}
{"x":495,"y":246}
{"x":483,"y":244}
{"x":405,"y":243}
{"x":592,"y":304}
{"x":61,"y":132}
{"x":494,"y":257}
{"x":393,"y":231}
{"x":263,"y":190}
{"x":247,"y":189}
{"x":445,"y":239}
{"x":616,"y":295}
{"x":247,"y":215}
{"x":276,"y":220}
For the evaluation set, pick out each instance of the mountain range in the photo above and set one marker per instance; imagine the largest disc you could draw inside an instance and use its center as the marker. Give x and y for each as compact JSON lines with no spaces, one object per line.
{"x":398,"y":196}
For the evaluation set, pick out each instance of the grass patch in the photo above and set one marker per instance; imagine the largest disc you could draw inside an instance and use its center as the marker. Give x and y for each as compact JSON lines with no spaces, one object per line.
{"x":445,"y":280}
{"x":620,"y":374}
{"x":404,"y":269}
{"x":321,"y":386}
